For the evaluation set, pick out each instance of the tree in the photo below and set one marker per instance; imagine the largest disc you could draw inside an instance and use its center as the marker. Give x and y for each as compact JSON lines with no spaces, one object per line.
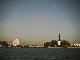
{"x":46,"y":44}
{"x":4,"y":44}
{"x":52,"y":43}
{"x":65,"y":43}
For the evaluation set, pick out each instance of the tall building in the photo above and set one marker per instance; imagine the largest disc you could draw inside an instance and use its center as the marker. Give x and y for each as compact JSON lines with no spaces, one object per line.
{"x":59,"y":41}
{"x":15,"y":42}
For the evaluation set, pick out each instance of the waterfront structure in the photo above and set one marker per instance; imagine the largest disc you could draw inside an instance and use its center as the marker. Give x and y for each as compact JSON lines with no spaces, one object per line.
{"x":15,"y":42}
{"x":59,"y":41}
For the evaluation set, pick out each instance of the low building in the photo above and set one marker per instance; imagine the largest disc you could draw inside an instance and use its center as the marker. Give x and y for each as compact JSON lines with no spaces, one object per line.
{"x":75,"y":45}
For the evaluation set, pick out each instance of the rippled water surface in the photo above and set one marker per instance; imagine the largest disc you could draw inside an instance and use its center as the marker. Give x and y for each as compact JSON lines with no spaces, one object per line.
{"x":39,"y":53}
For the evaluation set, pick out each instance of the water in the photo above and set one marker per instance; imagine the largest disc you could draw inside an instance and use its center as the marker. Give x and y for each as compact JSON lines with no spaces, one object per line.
{"x":39,"y":53}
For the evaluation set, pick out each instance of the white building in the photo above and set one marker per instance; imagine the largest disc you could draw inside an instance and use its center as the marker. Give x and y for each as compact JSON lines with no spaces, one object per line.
{"x":15,"y":42}
{"x":59,"y":42}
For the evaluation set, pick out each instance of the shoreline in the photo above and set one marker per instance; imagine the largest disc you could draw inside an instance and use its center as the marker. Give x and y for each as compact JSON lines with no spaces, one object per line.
{"x":39,"y":47}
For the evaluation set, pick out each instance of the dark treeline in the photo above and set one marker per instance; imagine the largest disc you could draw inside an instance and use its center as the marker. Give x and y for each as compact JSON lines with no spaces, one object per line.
{"x":65,"y":43}
{"x":3,"y":44}
{"x":54,"y":43}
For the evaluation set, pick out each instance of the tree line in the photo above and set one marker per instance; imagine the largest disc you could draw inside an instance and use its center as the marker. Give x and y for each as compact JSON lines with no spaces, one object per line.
{"x":54,"y":43}
{"x":3,"y":44}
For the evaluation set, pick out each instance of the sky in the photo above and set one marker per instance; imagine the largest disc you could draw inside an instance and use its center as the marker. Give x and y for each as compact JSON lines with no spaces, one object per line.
{"x":38,"y":21}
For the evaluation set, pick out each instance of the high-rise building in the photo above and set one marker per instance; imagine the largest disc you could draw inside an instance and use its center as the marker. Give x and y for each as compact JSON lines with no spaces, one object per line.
{"x":15,"y":42}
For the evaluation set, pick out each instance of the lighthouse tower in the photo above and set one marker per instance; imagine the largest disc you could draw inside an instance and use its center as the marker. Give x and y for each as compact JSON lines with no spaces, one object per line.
{"x":59,"y":41}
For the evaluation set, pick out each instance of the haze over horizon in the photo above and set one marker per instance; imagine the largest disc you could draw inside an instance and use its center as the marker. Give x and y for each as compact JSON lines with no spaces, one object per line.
{"x":38,"y":21}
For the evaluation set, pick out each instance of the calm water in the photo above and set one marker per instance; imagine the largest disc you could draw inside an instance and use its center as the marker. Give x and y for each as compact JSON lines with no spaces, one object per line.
{"x":40,"y":54}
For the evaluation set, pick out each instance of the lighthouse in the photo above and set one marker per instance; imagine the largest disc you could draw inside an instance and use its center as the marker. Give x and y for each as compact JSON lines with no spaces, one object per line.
{"x":59,"y":41}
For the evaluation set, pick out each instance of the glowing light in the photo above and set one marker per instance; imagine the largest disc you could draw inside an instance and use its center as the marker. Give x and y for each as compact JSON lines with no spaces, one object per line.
{"x":15,"y":42}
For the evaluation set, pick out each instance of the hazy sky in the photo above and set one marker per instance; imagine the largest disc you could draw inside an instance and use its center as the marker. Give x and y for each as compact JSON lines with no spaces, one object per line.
{"x":38,"y":21}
